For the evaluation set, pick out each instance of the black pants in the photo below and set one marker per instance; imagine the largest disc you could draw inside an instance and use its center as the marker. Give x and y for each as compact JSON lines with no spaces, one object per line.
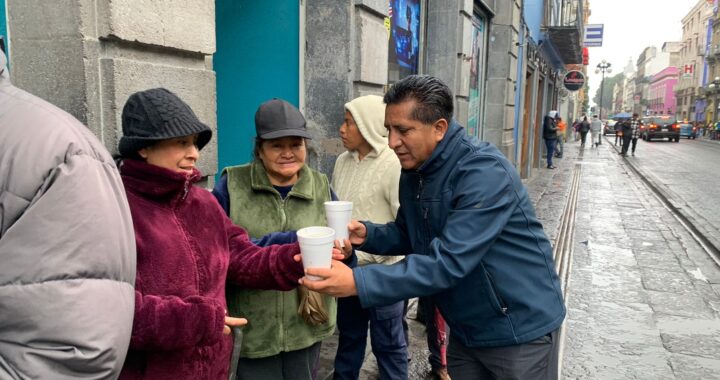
{"x":583,"y":136}
{"x":626,"y":144}
{"x":299,"y":364}
{"x":537,"y":360}
{"x":634,"y":144}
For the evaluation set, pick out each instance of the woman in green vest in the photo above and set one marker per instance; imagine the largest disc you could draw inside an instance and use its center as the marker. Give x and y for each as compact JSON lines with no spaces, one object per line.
{"x":278,"y":192}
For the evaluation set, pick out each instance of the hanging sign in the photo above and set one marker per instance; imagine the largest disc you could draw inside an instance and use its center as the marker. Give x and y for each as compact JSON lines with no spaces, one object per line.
{"x":574,"y":80}
{"x":593,"y":35}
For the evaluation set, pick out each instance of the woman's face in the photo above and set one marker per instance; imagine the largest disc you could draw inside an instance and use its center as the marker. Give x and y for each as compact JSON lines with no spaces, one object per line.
{"x":178,"y":154}
{"x":283,"y":158}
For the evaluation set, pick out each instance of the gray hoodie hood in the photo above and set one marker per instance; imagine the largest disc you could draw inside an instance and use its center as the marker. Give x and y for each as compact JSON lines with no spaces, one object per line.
{"x":369,"y":114}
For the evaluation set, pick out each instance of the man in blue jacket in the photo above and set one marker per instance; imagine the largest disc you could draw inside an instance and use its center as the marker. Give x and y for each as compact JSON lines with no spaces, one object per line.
{"x":473,"y":242}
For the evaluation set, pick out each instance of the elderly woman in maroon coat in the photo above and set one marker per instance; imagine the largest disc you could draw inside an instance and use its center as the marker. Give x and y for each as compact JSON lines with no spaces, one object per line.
{"x":187,"y":247}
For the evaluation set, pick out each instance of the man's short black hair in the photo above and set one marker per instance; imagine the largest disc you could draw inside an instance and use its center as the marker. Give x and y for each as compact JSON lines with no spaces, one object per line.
{"x":433,"y":98}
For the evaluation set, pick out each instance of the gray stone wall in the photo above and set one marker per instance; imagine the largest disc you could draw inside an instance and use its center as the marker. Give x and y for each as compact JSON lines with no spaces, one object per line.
{"x":88,"y":56}
{"x":346,"y":56}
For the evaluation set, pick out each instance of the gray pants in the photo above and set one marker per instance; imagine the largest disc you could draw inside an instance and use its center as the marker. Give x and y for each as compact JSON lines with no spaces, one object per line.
{"x":534,"y":360}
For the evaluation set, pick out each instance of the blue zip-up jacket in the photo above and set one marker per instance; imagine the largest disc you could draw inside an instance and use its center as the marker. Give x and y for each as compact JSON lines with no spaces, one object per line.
{"x":477,"y":247}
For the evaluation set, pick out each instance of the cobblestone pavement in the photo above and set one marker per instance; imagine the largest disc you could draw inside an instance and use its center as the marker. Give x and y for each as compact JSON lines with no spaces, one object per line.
{"x":644,"y":299}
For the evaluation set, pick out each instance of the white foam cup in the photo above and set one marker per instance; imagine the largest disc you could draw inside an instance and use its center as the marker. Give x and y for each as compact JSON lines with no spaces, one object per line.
{"x":338,"y":215}
{"x":316,"y":245}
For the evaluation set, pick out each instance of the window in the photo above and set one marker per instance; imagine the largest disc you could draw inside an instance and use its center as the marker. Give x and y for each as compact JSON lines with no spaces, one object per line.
{"x":406,"y":32}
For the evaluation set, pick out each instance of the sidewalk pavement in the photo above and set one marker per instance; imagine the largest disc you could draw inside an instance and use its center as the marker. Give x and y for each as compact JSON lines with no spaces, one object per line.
{"x":643,"y":299}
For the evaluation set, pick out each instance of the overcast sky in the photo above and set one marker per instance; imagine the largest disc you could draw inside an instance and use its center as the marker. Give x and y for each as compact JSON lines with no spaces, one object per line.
{"x":631,"y":26}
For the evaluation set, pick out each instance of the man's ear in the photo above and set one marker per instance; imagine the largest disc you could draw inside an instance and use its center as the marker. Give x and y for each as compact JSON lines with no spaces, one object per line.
{"x":440,"y":127}
{"x":143,"y":153}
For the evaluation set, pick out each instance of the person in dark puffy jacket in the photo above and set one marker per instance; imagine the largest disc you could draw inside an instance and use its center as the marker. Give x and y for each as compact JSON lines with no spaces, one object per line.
{"x":187,"y":248}
{"x":473,"y":244}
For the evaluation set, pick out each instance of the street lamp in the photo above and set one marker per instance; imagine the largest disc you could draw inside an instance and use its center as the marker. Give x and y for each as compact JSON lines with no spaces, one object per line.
{"x":602,"y":67}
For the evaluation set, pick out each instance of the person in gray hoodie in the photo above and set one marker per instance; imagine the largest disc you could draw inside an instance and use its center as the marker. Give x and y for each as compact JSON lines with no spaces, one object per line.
{"x":66,"y":245}
{"x":368,"y":175}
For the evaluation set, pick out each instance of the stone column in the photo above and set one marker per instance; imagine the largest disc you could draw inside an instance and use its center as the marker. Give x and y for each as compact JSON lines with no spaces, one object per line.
{"x":502,"y":76}
{"x":88,"y":56}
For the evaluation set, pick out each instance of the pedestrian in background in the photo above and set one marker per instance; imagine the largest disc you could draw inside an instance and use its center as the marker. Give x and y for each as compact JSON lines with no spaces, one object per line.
{"x":631,"y":132}
{"x":368,"y":175}
{"x":618,"y":130}
{"x":595,"y":131}
{"x":187,"y":248}
{"x":277,"y":191}
{"x":576,"y":129}
{"x":66,"y":243}
{"x":584,"y":128}
{"x":561,"y":128}
{"x":477,"y":247}
{"x":550,"y":136}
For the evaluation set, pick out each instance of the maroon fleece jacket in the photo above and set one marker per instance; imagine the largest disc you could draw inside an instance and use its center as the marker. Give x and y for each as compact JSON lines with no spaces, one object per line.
{"x":186,"y":250}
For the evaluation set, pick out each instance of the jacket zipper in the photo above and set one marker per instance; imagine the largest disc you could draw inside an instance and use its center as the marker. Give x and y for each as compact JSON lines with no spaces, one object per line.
{"x":186,"y":189}
{"x":501,"y":302}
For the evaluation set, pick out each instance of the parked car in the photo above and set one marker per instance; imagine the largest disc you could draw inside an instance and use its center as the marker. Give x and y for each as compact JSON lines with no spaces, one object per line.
{"x":609,"y":127}
{"x":688,"y":130}
{"x":660,"y":127}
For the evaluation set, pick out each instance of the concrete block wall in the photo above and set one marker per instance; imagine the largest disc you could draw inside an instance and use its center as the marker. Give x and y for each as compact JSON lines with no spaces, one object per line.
{"x":345,"y":58}
{"x":88,"y":56}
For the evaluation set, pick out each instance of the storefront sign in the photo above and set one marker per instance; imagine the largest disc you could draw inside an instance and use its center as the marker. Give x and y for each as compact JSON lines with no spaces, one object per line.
{"x":574,"y":80}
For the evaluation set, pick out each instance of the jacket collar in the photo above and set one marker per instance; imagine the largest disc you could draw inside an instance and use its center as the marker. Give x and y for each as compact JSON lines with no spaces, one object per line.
{"x":156,"y":182}
{"x":303,"y":188}
{"x":443,"y":150}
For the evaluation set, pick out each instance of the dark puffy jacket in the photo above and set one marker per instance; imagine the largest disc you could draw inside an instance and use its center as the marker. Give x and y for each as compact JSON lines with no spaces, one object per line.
{"x":186,"y":249}
{"x":477,"y":247}
{"x":549,"y":128}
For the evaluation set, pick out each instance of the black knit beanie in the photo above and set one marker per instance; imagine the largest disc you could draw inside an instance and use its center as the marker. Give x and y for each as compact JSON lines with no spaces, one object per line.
{"x":157,"y":114}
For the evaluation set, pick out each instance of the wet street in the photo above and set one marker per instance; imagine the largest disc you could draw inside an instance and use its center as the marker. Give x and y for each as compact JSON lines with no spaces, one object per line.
{"x":643,"y":296}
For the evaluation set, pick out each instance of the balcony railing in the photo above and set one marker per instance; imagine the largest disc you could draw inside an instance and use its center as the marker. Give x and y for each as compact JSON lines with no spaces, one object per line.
{"x":564,"y":27}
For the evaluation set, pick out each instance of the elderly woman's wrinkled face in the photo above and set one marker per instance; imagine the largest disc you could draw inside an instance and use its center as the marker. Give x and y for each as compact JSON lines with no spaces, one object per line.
{"x":283,"y":158}
{"x":178,"y":154}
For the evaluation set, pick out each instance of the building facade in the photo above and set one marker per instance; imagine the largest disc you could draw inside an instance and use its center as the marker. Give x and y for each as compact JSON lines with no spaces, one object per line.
{"x":225,"y":57}
{"x":661,"y":92}
{"x":691,"y":65}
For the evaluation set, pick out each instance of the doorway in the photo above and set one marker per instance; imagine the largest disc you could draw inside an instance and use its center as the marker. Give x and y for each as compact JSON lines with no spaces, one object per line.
{"x":257,"y":59}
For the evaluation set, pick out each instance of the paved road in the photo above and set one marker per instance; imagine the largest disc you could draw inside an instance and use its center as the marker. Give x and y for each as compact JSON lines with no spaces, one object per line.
{"x":688,"y":173}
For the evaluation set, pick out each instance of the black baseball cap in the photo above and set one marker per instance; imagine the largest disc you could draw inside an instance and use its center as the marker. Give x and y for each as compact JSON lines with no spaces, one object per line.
{"x":277,"y":118}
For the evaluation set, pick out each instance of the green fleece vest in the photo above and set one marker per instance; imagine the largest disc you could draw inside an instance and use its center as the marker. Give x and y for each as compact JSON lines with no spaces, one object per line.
{"x":274,"y":325}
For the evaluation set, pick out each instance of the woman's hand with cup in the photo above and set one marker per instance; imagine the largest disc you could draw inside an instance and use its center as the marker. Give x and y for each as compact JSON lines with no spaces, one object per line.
{"x":345,"y":249}
{"x":337,"y":254}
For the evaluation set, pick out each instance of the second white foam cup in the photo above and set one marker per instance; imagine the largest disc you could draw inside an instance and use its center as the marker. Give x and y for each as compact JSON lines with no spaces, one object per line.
{"x":316,"y":245}
{"x":338,"y":215}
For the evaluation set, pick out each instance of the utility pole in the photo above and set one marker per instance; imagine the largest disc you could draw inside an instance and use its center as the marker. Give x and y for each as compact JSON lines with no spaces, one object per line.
{"x":602,"y":67}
